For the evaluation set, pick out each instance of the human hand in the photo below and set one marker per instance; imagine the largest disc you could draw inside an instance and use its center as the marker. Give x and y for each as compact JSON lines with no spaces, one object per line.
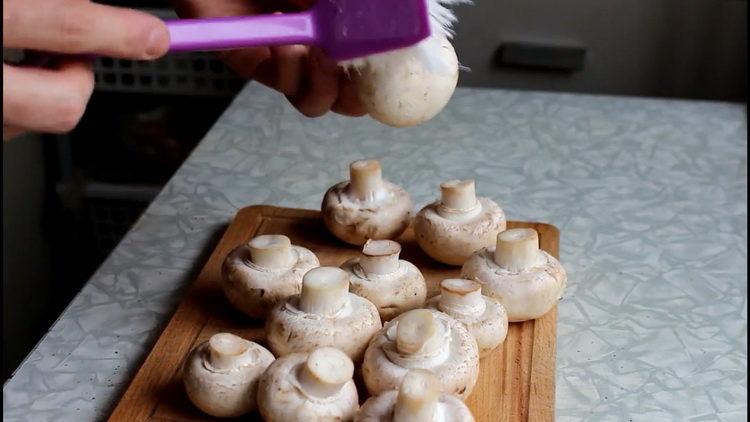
{"x":313,"y":83}
{"x":52,"y":100}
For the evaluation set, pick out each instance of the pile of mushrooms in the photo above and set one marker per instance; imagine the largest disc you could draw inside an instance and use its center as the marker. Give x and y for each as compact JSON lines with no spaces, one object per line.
{"x":321,"y":321}
{"x":393,"y":285}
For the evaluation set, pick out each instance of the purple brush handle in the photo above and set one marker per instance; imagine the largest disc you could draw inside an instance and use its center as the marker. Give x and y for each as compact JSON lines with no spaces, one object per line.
{"x":241,"y":31}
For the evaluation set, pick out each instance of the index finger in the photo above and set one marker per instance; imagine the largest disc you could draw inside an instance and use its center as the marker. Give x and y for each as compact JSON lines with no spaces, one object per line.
{"x":82,"y":27}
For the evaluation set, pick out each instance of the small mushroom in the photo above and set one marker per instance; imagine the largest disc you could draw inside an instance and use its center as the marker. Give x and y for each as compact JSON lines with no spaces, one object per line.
{"x":221,"y":375}
{"x":484,"y":316}
{"x":526,"y":280}
{"x":366,"y":206}
{"x":418,"y":399}
{"x":324,"y":314}
{"x":263,"y":272}
{"x":309,"y":387}
{"x":459,"y":224}
{"x":394,"y":286}
{"x":427,"y":339}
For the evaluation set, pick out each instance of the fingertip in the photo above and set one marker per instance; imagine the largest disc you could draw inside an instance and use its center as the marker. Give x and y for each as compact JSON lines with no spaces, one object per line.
{"x":157,"y":43}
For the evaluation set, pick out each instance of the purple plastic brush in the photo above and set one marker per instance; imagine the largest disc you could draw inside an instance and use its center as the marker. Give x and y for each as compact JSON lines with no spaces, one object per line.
{"x":344,"y":29}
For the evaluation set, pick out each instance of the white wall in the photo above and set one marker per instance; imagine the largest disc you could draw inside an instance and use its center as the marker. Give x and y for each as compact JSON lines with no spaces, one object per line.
{"x":691,"y":48}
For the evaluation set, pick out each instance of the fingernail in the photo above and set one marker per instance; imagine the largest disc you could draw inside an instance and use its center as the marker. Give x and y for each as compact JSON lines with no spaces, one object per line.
{"x":157,"y":44}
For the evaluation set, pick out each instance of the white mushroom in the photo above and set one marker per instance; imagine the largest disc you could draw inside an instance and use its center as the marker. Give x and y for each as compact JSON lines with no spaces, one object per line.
{"x":366,"y":206}
{"x":324,"y":314}
{"x":309,"y":387}
{"x":221,"y":375}
{"x":459,"y":224}
{"x":526,"y":280}
{"x":484,"y":316}
{"x":394,"y":286}
{"x":418,"y":399}
{"x":408,"y":86}
{"x":266,"y":270}
{"x":426,"y":339}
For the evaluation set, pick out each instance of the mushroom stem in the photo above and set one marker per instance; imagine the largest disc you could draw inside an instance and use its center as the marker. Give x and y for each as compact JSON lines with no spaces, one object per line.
{"x":270,"y":251}
{"x":517,"y":249}
{"x":418,"y":333}
{"x":325,"y":371}
{"x":461,"y":296}
{"x":417,"y":398}
{"x":380,"y":257}
{"x":458,"y":199}
{"x":366,"y":179}
{"x":325,"y":291}
{"x":226,"y":351}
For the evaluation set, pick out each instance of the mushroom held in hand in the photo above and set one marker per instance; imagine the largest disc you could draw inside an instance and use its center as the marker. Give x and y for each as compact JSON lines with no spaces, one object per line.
{"x":425,"y":339}
{"x":459,"y":224}
{"x":418,"y":399}
{"x":221,"y":375}
{"x":483,"y":316}
{"x":394,"y":286}
{"x":263,"y":272}
{"x":526,"y":280}
{"x":408,"y":86}
{"x":324,"y":314}
{"x":366,"y":206}
{"x":309,"y":387}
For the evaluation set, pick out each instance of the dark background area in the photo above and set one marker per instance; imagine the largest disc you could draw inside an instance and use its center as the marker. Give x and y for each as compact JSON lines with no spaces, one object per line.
{"x":68,"y":200}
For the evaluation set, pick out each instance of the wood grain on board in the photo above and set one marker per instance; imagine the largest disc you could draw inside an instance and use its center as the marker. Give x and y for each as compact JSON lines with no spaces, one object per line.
{"x":516,"y":382}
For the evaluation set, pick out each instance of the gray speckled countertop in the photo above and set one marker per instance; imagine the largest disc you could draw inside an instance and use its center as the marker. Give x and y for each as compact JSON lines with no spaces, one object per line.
{"x":650,"y":197}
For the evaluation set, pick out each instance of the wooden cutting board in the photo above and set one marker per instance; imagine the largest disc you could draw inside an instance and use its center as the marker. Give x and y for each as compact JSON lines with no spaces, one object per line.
{"x":516,"y":382}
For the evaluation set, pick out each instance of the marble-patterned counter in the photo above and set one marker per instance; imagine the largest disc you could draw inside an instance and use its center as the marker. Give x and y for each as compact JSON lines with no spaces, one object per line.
{"x":650,"y":196}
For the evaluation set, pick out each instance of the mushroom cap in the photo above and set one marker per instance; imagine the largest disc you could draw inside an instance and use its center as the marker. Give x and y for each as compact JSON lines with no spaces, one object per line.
{"x":290,"y":330}
{"x":254,"y":290}
{"x":355,"y":221}
{"x":380,"y":408}
{"x":409,"y":86}
{"x":488,"y":328}
{"x":526,"y":295}
{"x":394,"y":293}
{"x":225,"y":393}
{"x":452,"y":242}
{"x":281,"y":398}
{"x":457,"y":367}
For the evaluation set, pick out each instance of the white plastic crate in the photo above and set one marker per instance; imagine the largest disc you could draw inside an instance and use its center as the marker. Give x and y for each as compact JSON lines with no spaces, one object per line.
{"x":199,"y":73}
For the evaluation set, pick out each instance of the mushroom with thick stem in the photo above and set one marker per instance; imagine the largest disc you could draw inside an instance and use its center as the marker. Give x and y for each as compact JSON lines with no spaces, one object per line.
{"x":459,"y":224}
{"x":427,"y":339}
{"x":264,"y":271}
{"x":393,"y":285}
{"x":418,"y":399}
{"x":221,"y":375}
{"x":324,"y":314}
{"x":309,"y":387}
{"x":484,"y":316}
{"x":366,"y":206}
{"x":525,"y":279}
